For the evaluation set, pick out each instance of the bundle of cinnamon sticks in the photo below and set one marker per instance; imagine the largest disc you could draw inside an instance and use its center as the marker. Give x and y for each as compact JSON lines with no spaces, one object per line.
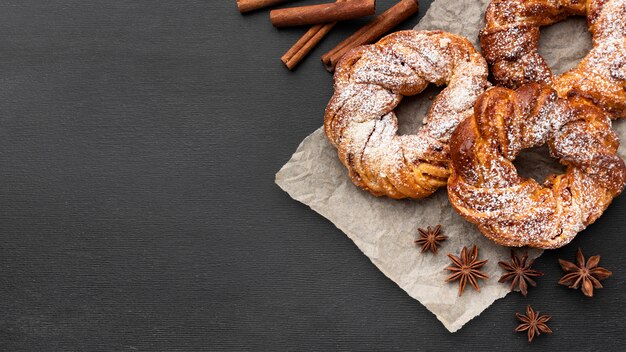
{"x":324,"y":17}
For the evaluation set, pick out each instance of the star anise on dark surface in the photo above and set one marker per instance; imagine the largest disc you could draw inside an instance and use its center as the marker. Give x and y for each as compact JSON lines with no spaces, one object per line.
{"x":584,"y":275}
{"x":465,"y":269}
{"x":519,"y":272}
{"x":430,"y":238}
{"x":533,"y":322}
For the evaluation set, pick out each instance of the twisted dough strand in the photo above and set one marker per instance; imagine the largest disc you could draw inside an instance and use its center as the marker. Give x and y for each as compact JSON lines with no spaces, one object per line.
{"x":370,"y":82}
{"x":511,"y":35}
{"x":484,"y":186}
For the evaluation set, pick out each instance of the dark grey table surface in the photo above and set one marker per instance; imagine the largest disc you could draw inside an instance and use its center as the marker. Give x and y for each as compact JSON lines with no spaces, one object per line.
{"x":138,"y":211}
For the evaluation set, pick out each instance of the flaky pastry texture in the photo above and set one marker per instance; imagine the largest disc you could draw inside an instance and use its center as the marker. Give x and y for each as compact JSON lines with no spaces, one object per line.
{"x":370,"y":82}
{"x":485,"y":188}
{"x":511,"y":34}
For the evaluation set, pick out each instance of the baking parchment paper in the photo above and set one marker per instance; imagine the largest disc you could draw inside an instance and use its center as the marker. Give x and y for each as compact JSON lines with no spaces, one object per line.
{"x":384,"y":229}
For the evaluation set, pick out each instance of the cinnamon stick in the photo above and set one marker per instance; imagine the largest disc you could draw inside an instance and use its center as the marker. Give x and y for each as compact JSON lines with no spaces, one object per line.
{"x":322,"y":13}
{"x":251,"y":5}
{"x":372,"y":31}
{"x":305,"y":44}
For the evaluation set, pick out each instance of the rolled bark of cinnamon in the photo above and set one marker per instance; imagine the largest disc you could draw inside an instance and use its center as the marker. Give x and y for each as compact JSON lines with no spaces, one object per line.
{"x":372,"y":31}
{"x":305,"y":44}
{"x":251,"y":5}
{"x":323,"y":13}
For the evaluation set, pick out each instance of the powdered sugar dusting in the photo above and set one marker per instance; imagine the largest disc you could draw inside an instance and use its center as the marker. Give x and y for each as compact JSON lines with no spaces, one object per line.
{"x":510,"y":38}
{"x":514,"y":211}
{"x":370,"y":82}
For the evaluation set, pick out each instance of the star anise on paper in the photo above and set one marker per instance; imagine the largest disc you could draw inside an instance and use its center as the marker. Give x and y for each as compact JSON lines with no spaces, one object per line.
{"x":465,"y":269}
{"x":533,"y":322}
{"x":430,"y":238}
{"x":519,"y":272}
{"x":585,"y":275}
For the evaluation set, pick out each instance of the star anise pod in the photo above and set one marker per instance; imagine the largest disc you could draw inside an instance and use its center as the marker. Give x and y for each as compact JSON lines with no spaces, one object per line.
{"x":465,"y":269}
{"x":587,"y":275}
{"x":533,"y":322}
{"x":430,"y":238}
{"x":519,"y":273}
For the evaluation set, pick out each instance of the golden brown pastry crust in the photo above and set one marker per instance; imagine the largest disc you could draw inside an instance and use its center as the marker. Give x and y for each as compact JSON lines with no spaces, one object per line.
{"x":511,"y":34}
{"x":371,"y":80}
{"x":484,"y":186}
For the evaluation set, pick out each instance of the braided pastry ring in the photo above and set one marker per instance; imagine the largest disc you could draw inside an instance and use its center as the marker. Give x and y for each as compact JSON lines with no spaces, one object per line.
{"x":484,"y":186}
{"x":511,"y":35}
{"x":371,"y":80}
